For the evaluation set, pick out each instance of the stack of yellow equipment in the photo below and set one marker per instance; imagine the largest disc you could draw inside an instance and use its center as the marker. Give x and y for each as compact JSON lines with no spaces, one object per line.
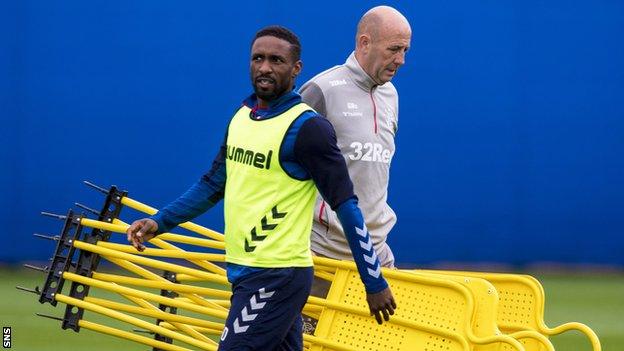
{"x":437,"y":310}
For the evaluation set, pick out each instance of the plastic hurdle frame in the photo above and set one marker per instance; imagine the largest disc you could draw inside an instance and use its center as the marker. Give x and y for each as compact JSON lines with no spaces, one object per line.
{"x":521,"y":307}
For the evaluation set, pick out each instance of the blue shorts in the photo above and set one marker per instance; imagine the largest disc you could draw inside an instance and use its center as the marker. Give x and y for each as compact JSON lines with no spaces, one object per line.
{"x":265,"y":312}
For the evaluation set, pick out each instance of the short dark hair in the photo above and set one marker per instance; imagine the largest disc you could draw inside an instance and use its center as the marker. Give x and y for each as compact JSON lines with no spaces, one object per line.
{"x":284,"y":34}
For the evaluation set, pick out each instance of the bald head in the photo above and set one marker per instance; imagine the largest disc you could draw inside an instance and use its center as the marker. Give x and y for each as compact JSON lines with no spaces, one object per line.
{"x":383,"y":37}
{"x":381,"y":21}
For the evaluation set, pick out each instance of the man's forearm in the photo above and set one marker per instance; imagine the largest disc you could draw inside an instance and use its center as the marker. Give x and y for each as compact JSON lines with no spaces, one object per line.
{"x":195,"y":201}
{"x":361,"y":246}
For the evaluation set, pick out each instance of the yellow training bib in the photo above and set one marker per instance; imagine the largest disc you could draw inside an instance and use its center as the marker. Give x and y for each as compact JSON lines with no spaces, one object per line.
{"x":268,"y":214}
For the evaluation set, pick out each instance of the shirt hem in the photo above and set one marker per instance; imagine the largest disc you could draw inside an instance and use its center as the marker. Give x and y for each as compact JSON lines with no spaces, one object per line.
{"x":307,"y":263}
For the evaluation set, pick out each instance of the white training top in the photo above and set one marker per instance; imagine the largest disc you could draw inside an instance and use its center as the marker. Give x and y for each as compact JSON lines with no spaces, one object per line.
{"x":365,"y":117}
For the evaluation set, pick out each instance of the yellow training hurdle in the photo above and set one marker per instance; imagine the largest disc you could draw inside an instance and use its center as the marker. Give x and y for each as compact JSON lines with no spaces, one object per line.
{"x":437,"y":310}
{"x":521,"y":308}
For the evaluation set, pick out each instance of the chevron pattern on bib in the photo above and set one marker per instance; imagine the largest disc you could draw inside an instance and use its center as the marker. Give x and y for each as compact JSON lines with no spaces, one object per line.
{"x":258,"y":236}
{"x":256,"y":304}
{"x":370,"y":256}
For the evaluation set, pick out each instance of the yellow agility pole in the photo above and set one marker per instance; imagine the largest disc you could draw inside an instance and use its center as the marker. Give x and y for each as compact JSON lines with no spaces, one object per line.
{"x":222,"y":303}
{"x":153,"y":276}
{"x":158,"y":314}
{"x":151,"y":262}
{"x":209,"y":331}
{"x":189,"y":278}
{"x":121,"y":228}
{"x":188,"y":225}
{"x":145,"y":295}
{"x":92,"y":223}
{"x":130,"y":336}
{"x":185,"y":239}
{"x":166,"y":285}
{"x":134,"y":321}
{"x":163,"y":252}
{"x":209,"y":266}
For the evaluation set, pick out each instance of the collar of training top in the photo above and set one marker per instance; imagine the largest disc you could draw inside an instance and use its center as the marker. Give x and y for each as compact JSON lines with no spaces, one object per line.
{"x":360,"y":77}
{"x":276,"y":107}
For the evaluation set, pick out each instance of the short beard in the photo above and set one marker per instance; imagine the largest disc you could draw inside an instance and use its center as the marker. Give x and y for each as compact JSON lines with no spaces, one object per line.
{"x":265,"y":95}
{"x":268,"y":95}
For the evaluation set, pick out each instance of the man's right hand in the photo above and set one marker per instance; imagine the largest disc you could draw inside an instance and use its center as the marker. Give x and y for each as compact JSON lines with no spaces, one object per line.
{"x":381,"y":303}
{"x":140,"y":231}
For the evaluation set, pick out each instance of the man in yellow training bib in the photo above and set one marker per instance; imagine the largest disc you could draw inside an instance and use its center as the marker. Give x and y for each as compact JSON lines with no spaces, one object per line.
{"x":276,"y":149}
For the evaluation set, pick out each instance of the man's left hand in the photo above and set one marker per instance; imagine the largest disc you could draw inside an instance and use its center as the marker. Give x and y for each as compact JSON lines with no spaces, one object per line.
{"x":381,"y":303}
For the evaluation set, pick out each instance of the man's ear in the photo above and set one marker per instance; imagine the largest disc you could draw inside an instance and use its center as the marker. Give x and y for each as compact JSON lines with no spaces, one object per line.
{"x":297,"y":68}
{"x":363,"y":42}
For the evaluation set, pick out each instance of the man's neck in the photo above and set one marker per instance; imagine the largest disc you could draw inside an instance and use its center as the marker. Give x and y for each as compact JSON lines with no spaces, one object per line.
{"x":264,"y":104}
{"x":360,"y":59}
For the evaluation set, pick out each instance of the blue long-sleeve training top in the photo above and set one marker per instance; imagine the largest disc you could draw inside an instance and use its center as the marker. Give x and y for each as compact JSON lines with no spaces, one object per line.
{"x":309,"y":151}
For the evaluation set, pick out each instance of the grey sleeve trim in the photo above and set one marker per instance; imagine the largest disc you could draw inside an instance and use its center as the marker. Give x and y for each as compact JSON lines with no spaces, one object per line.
{"x":312,"y":95}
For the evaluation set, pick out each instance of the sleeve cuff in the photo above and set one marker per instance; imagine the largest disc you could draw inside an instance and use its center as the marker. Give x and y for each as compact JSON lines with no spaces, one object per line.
{"x":377,"y":287}
{"x":158,"y":218}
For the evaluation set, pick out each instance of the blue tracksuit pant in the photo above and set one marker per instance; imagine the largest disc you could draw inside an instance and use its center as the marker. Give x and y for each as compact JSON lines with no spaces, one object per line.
{"x":265,"y":312}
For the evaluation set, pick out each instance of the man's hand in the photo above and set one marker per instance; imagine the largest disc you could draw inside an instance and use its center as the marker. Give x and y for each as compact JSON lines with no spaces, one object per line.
{"x":381,"y":303}
{"x":141,"y":231}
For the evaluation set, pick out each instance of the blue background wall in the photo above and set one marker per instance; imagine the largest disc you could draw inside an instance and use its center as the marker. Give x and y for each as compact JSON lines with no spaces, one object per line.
{"x":511,"y":137}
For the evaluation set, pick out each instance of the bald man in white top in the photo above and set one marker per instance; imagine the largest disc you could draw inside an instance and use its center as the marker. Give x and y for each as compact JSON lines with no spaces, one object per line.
{"x":362,"y":104}
{"x":359,"y":100}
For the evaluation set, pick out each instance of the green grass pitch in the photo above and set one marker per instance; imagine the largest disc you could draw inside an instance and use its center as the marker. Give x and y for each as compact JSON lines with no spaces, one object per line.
{"x":596,"y":300}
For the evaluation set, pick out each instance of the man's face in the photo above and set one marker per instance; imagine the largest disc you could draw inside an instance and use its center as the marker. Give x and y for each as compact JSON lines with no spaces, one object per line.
{"x":273,"y":68}
{"x":384,"y":54}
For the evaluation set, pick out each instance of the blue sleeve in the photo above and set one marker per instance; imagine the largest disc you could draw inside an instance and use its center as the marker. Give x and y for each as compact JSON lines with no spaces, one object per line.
{"x":199,"y":198}
{"x":318,"y":153}
{"x":361,"y":246}
{"x":288,"y":159}
{"x":316,"y":150}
